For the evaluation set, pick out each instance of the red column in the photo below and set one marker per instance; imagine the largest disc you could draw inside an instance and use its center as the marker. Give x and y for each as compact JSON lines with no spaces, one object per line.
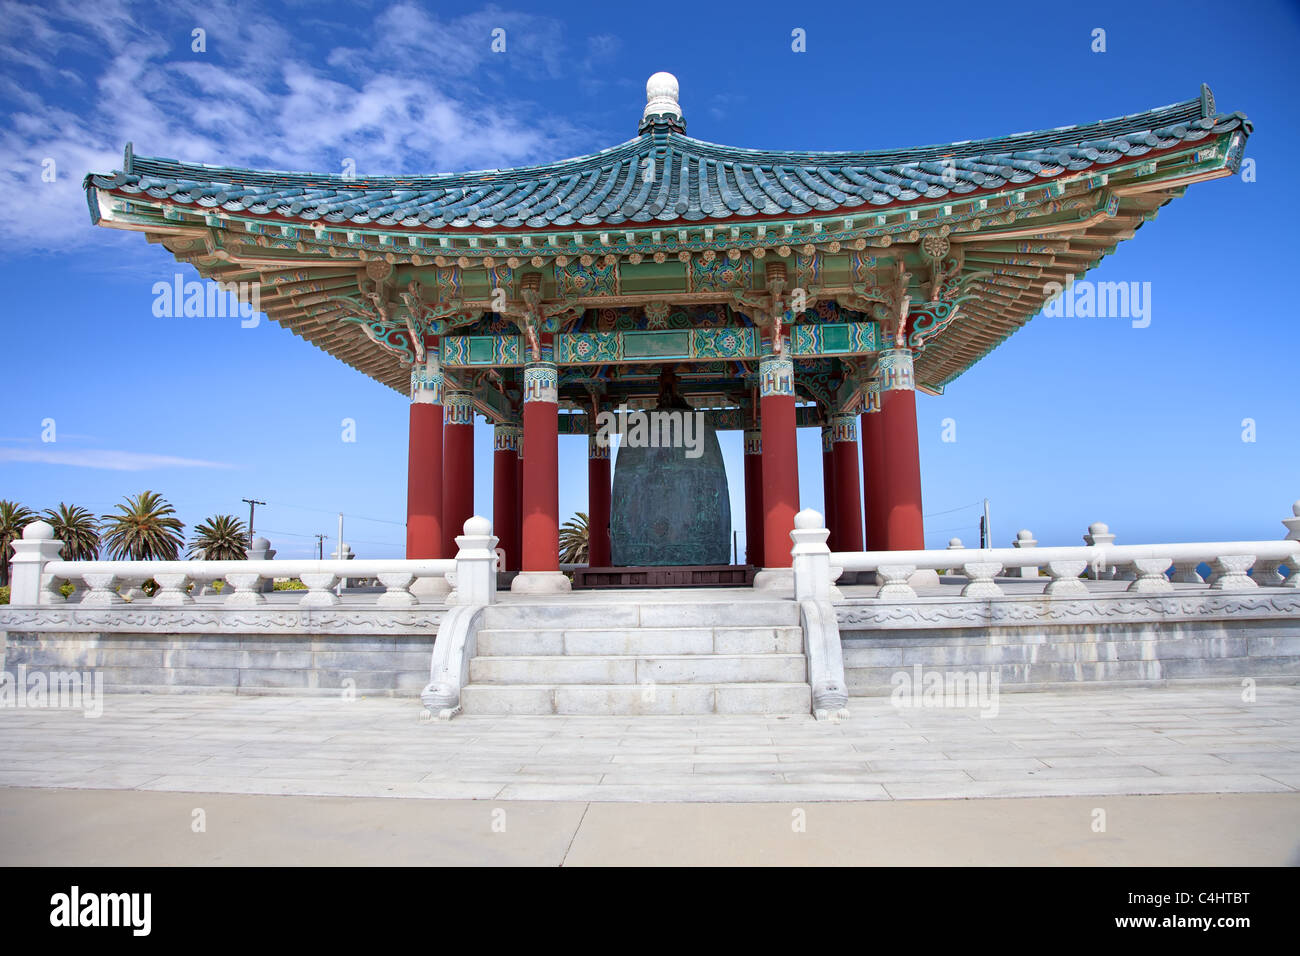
{"x":517,"y":562}
{"x":904,"y":530}
{"x":847,"y":532}
{"x":424,"y":466}
{"x":828,"y":488}
{"x":505,"y":491}
{"x":780,"y":459}
{"x":597,"y":502}
{"x":457,"y":467}
{"x":873,"y":468}
{"x":541,"y":513}
{"x":754,"y":497}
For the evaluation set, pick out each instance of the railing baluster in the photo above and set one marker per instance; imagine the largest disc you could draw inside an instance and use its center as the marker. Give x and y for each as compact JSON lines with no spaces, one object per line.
{"x":101,"y":589}
{"x":1230,"y":572}
{"x":171,"y":589}
{"x":1065,"y":578}
{"x":318,"y":589}
{"x":1149,"y":576}
{"x":397,"y":589}
{"x":981,"y":583}
{"x":1267,"y":573}
{"x":1185,"y":572}
{"x":895,"y":586}
{"x":243,"y":586}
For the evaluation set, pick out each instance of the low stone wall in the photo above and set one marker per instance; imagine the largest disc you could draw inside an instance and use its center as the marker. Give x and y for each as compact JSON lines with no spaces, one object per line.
{"x":366,"y":651}
{"x":1035,"y":643}
{"x":1030,"y":642}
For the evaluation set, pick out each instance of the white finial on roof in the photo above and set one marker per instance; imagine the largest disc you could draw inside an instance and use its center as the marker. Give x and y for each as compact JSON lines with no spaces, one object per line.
{"x":661,"y":104}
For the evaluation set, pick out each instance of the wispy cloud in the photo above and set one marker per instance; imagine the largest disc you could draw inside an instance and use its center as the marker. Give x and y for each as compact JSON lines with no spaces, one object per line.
{"x":63,"y":436}
{"x":104,"y":459}
{"x":406,"y":92}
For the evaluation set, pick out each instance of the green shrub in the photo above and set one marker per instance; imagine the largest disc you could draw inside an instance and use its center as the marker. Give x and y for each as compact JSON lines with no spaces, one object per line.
{"x":4,"y":595}
{"x":293,"y":584}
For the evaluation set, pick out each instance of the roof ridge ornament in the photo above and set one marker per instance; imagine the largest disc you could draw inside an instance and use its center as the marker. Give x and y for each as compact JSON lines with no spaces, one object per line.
{"x":662,"y":111}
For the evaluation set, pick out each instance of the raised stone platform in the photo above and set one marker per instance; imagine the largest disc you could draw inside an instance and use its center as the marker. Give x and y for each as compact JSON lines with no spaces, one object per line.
{"x":702,"y":650}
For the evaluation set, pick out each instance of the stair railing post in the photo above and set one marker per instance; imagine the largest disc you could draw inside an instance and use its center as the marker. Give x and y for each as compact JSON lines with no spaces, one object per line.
{"x":811,"y":557}
{"x":32,"y":551}
{"x":476,"y":563}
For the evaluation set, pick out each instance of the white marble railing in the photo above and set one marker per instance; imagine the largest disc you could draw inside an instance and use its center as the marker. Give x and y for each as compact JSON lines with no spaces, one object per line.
{"x":38,"y":575}
{"x":1230,"y":560}
{"x":1150,"y":568}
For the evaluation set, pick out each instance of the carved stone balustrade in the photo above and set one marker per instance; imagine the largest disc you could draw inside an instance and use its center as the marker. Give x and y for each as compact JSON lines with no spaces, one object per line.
{"x":39,"y":574}
{"x":1237,"y":566}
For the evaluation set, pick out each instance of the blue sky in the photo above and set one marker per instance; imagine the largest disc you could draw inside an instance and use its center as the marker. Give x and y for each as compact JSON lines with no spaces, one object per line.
{"x":1069,"y":421}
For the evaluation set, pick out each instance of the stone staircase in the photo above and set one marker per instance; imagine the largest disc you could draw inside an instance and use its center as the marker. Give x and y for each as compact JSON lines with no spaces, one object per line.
{"x":653,"y":657}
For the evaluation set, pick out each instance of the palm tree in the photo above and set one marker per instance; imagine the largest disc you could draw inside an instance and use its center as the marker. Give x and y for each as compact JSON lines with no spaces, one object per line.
{"x":13,"y":518}
{"x":573,"y":540}
{"x":144,"y":530}
{"x":220,"y":538}
{"x":77,"y":529}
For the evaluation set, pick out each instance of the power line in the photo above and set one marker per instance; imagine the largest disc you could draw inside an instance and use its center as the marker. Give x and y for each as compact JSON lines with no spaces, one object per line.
{"x":960,"y":527}
{"x":936,"y":514}
{"x":298,"y":534}
{"x":331,"y":511}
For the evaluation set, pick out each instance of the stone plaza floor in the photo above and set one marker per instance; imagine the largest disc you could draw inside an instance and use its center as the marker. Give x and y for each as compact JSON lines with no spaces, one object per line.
{"x":1184,"y":776}
{"x":1201,"y":739}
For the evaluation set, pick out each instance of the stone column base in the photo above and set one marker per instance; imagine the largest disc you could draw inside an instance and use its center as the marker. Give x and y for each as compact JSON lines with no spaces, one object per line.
{"x":923,"y":579}
{"x":774,"y":579}
{"x":779,"y":582}
{"x":540,"y":582}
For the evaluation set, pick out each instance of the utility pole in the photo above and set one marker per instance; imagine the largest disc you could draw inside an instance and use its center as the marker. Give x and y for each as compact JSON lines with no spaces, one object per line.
{"x":320,"y":546}
{"x":252,"y":506}
{"x":988,"y":527}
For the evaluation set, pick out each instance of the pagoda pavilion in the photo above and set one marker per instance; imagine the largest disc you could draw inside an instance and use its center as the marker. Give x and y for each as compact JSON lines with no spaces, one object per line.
{"x":782,"y":289}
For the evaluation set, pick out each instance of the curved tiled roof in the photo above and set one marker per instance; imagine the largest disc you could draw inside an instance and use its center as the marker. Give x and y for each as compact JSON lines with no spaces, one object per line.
{"x":664,"y":176}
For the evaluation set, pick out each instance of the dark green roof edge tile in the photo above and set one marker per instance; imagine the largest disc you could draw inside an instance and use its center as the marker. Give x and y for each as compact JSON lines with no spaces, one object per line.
{"x":693,"y":180}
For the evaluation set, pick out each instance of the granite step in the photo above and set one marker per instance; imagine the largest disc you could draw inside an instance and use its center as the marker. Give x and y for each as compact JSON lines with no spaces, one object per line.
{"x":605,"y":641}
{"x":651,"y":614}
{"x":632,"y":699}
{"x":668,"y":655}
{"x":660,"y":669}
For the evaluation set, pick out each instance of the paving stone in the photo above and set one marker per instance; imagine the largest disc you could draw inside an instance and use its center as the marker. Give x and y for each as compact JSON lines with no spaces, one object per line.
{"x":1098,"y":742}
